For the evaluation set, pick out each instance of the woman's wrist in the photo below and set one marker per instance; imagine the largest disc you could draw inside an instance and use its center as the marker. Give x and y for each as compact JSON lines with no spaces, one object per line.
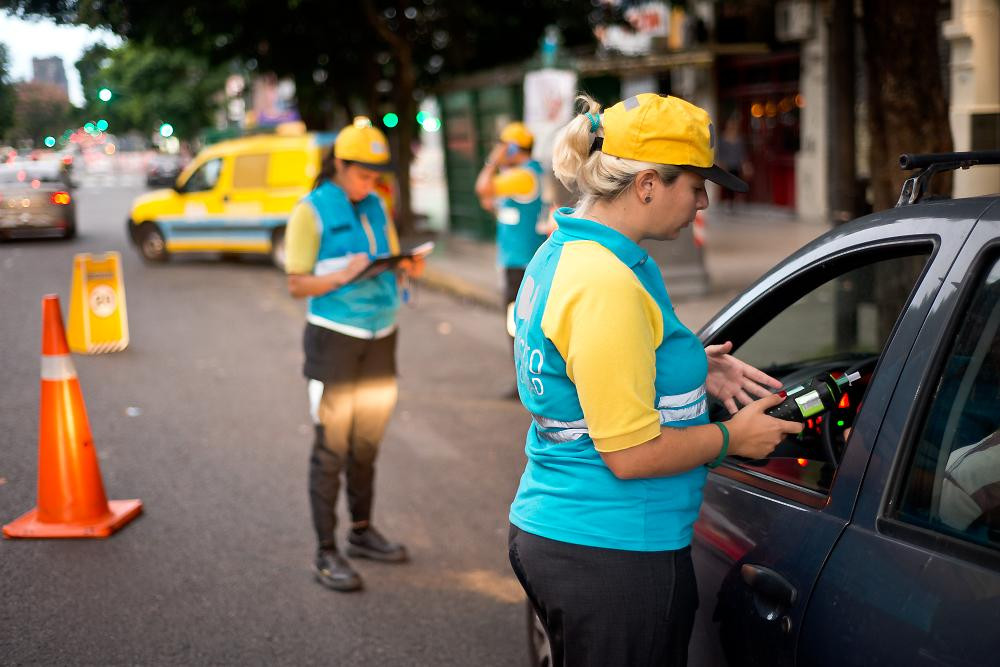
{"x":724,"y":449}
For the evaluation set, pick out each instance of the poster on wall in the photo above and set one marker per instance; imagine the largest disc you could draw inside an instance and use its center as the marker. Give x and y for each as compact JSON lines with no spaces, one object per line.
{"x":548,"y":105}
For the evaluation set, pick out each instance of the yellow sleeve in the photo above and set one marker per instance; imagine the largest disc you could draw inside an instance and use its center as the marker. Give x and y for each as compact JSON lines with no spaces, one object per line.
{"x":302,"y":238}
{"x":607,"y":328}
{"x":515,"y":182}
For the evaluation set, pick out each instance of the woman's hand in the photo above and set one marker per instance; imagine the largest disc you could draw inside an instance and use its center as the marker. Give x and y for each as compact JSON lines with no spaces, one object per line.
{"x":754,"y":434}
{"x":731,"y":380}
{"x":413,"y":267}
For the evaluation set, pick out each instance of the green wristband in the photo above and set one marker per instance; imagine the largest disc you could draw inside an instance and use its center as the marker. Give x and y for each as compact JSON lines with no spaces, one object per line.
{"x":725,"y":446}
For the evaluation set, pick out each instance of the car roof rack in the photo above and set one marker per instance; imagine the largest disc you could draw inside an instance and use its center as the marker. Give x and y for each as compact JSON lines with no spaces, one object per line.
{"x":932,"y":163}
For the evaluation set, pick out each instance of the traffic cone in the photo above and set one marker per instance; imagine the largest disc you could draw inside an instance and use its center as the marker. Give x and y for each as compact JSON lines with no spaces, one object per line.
{"x":71,"y":500}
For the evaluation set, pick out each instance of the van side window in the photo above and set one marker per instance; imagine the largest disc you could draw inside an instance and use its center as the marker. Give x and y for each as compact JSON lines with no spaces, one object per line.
{"x":250,"y":171}
{"x":204,"y":178}
{"x":952,"y":484}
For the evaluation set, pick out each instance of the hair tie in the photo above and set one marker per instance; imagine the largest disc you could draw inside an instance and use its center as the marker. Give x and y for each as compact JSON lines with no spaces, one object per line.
{"x":595,"y":122}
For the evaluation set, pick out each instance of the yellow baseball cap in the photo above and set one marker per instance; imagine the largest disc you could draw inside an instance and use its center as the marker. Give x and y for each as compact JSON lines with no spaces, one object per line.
{"x":518,"y":134}
{"x":364,"y":145}
{"x":665,"y":130}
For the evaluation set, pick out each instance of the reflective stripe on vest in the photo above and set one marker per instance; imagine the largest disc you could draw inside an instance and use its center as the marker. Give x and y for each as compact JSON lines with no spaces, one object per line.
{"x":679,"y":407}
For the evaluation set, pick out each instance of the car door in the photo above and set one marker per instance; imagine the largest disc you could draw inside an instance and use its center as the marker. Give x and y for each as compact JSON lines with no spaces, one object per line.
{"x":197,"y":227}
{"x":915,"y":579}
{"x":767,"y":527}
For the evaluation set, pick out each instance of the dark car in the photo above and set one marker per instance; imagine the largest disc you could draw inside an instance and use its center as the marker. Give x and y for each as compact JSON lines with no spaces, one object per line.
{"x":36,"y":200}
{"x":874,"y":537}
{"x":162,"y":170}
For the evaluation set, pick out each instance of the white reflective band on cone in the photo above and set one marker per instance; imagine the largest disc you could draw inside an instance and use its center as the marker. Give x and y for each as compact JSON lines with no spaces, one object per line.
{"x":58,"y":367}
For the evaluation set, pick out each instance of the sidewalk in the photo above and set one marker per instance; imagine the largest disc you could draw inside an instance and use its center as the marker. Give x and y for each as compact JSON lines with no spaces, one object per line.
{"x":739,"y":248}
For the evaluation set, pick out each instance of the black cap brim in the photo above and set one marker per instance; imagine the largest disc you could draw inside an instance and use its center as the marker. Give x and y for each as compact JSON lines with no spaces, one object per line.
{"x":385,"y":166}
{"x":717,"y":174}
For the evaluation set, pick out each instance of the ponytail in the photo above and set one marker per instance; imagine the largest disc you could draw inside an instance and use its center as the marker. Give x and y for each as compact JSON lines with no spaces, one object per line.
{"x":327,"y":169}
{"x":596,"y":175}
{"x":572,"y":143}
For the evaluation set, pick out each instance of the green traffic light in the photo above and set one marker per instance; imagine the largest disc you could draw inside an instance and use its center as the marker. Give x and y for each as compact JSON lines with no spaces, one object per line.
{"x":50,"y":141}
{"x":166,"y":130}
{"x":102,"y":125}
{"x":104,"y":94}
{"x":421,"y":115}
{"x":89,"y":127}
{"x":390,"y":120}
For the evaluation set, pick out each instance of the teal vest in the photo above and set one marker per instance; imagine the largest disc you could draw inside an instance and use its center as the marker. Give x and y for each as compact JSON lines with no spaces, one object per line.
{"x":366,"y":308}
{"x":517,"y":217}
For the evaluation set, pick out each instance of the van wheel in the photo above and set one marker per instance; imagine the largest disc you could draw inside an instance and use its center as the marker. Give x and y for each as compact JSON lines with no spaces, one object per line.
{"x":152,"y":244}
{"x":278,"y":248}
{"x":539,"y":651}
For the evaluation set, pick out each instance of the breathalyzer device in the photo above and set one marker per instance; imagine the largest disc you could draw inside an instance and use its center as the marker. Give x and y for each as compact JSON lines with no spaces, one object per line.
{"x":814,"y":397}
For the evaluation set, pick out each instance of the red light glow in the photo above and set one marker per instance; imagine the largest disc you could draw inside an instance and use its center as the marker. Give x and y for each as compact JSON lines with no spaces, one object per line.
{"x":845,"y":402}
{"x":802,"y":462}
{"x":60,"y":198}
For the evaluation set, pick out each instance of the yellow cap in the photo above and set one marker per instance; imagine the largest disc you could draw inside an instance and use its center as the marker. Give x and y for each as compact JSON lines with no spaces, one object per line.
{"x":363,"y":144}
{"x":665,"y":130}
{"x":517,"y":133}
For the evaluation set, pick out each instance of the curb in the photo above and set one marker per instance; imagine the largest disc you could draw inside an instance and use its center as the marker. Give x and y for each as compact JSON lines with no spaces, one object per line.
{"x":442,"y":281}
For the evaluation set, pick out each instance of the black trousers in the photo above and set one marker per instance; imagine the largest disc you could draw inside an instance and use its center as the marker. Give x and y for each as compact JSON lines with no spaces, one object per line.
{"x":605,"y":607}
{"x":359,"y":395}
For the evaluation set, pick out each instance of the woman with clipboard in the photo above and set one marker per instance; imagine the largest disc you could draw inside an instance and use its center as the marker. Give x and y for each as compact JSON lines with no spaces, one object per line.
{"x":332,"y":237}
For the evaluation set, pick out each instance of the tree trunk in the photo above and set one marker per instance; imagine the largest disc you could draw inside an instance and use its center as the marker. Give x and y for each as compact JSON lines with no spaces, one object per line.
{"x":405,"y":83}
{"x":907,"y":113}
{"x":907,"y":107}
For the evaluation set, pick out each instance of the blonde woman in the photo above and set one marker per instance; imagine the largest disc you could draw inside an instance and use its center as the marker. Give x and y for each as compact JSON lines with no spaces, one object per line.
{"x":616,"y":385}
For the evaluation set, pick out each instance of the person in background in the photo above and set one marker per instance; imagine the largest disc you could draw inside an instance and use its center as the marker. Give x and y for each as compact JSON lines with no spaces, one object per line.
{"x":350,"y":342}
{"x":510,"y":186}
{"x":732,"y":156}
{"x":620,"y":442}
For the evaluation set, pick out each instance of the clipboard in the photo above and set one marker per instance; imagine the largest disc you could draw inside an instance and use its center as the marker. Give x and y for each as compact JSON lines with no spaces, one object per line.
{"x":382,"y":264}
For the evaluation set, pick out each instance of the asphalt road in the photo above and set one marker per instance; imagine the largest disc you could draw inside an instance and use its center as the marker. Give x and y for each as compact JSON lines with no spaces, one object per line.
{"x":204,"y":418}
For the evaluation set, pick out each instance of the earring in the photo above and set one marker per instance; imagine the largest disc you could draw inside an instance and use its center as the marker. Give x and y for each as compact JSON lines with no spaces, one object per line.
{"x":648,"y":199}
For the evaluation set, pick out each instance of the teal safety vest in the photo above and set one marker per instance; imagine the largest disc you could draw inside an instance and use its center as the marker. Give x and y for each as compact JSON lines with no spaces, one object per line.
{"x":517,"y":239}
{"x":366,"y":308}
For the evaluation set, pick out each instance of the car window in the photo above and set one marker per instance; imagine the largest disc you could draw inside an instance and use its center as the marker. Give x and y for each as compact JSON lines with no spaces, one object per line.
{"x":26,"y":172}
{"x":205,"y":178}
{"x":839,"y":326}
{"x":250,"y":171}
{"x":952,"y":484}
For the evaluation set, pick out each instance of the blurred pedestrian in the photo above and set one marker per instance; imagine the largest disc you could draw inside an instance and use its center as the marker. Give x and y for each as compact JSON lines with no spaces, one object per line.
{"x":616,"y":385}
{"x":350,"y":341}
{"x":510,"y":187}
{"x":733,"y":157}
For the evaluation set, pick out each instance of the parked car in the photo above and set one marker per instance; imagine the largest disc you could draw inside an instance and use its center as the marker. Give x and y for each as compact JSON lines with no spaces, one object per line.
{"x":36,"y":200}
{"x":163,"y":169}
{"x":873,"y":538}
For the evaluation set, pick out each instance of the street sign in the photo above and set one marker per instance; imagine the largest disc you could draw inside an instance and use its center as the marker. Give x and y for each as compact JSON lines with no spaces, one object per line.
{"x":98,"y":322}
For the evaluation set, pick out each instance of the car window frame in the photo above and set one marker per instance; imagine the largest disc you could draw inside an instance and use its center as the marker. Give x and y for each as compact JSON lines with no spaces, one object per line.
{"x":887,"y":521}
{"x":765,"y":307}
{"x":182,"y":188}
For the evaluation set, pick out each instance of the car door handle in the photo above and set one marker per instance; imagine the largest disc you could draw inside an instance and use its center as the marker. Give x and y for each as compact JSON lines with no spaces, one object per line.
{"x":778,"y":594}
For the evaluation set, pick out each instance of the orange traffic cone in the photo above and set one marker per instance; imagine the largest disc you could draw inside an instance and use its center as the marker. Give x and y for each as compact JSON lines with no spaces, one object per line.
{"x":71,"y":500}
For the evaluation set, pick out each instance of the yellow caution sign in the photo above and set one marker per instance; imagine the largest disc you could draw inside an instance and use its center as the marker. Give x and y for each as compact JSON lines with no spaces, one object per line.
{"x":98,"y":322}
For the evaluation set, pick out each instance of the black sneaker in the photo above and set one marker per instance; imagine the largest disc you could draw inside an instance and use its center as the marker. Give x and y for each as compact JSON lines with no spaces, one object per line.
{"x":371,"y":544}
{"x":333,"y":571}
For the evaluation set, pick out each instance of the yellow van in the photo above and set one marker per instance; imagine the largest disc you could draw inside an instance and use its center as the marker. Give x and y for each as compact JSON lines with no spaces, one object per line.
{"x":234,"y":197}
